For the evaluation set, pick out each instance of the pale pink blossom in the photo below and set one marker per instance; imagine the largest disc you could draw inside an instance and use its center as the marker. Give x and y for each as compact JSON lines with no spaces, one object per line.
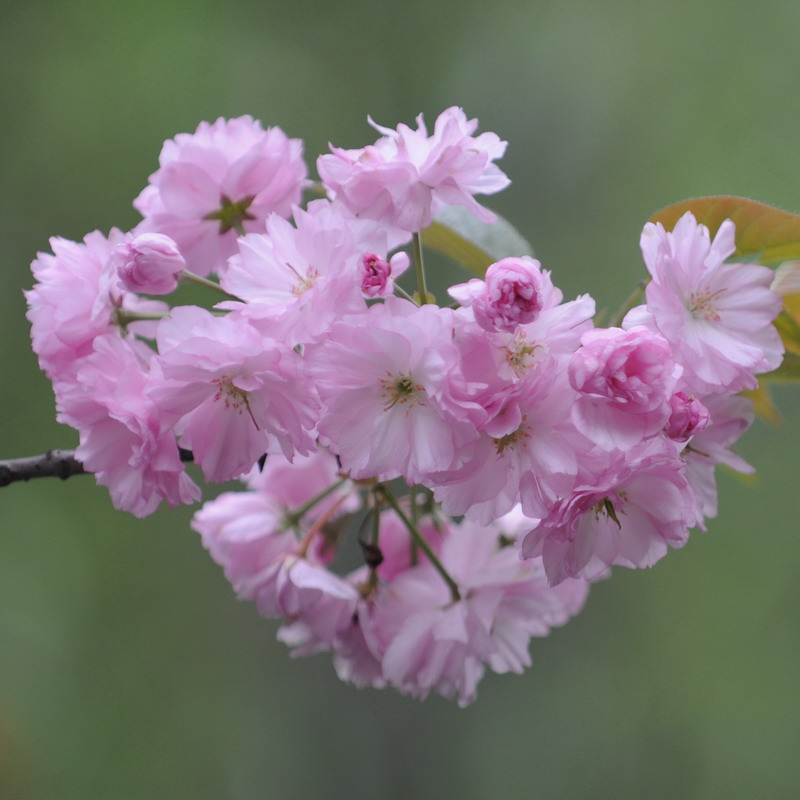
{"x":244,"y":533}
{"x":624,"y":381}
{"x":316,"y":604}
{"x":225,"y":177}
{"x":121,"y":439}
{"x":76,"y":299}
{"x":386,"y":378}
{"x":306,"y":275}
{"x":717,"y":317}
{"x":149,"y":263}
{"x":429,"y":642}
{"x":528,"y":452}
{"x":407,"y":176}
{"x":628,"y":516}
{"x":231,"y":393}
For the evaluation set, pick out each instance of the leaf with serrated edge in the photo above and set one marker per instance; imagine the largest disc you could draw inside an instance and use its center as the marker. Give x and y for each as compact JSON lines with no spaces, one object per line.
{"x":471,"y":243}
{"x":764,"y":233}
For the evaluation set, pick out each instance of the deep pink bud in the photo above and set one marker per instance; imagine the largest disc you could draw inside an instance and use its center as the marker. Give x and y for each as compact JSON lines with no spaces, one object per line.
{"x":511,"y":296}
{"x":687,"y":416}
{"x":374,"y":272}
{"x":149,"y":264}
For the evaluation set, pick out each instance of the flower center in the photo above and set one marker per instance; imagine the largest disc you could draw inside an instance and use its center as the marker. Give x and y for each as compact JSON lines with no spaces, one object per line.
{"x":233,"y":397}
{"x":520,"y":354}
{"x":514,"y":440}
{"x":304,"y":282}
{"x":400,"y":389}
{"x":606,"y":508}
{"x":232,"y":215}
{"x":700,"y":304}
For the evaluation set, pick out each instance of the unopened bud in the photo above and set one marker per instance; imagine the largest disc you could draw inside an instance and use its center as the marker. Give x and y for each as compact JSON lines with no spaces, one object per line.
{"x":149,"y":264}
{"x":688,"y":416}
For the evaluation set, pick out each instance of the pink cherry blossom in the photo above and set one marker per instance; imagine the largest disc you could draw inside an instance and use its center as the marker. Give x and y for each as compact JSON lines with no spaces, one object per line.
{"x":76,"y":299}
{"x":244,"y":533}
{"x":429,"y":642}
{"x":386,"y":378}
{"x":624,"y":380}
{"x":225,"y":177}
{"x":231,"y":393}
{"x":308,"y":274}
{"x":628,"y":516}
{"x":717,"y":317}
{"x":527,"y":453}
{"x":121,"y":440}
{"x":407,"y":176}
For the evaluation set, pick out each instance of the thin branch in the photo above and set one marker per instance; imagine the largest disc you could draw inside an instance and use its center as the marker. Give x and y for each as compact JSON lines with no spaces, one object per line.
{"x":53,"y":464}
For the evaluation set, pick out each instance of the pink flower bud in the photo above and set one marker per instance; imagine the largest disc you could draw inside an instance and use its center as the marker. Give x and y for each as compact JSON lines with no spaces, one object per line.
{"x":511,"y":296}
{"x":687,"y":416}
{"x":149,"y":264}
{"x":374,"y":272}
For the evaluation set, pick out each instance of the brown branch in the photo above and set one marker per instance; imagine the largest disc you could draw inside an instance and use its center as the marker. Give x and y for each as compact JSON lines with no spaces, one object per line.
{"x":53,"y":464}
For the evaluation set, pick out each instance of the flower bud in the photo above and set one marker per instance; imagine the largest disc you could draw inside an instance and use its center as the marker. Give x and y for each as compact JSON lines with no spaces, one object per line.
{"x":511,"y":296}
{"x":149,"y":263}
{"x":376,"y":274}
{"x":687,"y":416}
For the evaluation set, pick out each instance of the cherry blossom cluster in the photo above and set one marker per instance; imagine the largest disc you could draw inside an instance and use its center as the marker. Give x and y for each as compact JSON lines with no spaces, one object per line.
{"x":426,"y":488}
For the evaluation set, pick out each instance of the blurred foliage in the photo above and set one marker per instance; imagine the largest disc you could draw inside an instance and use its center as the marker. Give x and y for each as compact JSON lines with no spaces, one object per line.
{"x":128,"y":668}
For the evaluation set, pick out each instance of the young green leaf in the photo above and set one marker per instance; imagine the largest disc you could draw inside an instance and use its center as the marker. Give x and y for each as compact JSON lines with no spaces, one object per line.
{"x":471,"y":243}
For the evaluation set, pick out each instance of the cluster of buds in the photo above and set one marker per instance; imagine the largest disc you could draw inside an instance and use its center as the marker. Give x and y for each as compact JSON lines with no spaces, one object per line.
{"x":486,"y":460}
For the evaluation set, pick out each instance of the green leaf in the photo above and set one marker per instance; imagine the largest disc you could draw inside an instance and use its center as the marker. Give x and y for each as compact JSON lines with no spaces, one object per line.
{"x":471,"y":243}
{"x":764,"y":233}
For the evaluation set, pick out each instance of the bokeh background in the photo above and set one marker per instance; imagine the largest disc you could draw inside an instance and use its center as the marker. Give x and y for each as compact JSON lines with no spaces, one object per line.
{"x":127,"y":667}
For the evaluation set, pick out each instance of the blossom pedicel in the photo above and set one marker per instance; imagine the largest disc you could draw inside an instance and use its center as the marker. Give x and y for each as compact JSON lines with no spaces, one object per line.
{"x":564,"y":448}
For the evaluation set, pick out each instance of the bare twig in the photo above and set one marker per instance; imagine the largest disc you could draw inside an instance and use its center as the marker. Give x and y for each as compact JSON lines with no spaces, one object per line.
{"x":53,"y":464}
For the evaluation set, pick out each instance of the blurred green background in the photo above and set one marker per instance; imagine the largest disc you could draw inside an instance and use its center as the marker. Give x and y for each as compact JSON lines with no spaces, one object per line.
{"x":127,"y":667}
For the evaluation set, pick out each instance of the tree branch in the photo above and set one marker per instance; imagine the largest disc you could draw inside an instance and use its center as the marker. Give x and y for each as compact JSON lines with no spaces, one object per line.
{"x":53,"y":464}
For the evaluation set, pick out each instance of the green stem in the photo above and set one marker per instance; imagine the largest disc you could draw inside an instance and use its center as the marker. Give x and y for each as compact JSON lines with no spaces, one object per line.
{"x":451,"y":584}
{"x":633,"y":300}
{"x":400,"y":292}
{"x":190,"y":277}
{"x":124,"y":318}
{"x":420,"y":267}
{"x":415,"y":519}
{"x":294,"y":517}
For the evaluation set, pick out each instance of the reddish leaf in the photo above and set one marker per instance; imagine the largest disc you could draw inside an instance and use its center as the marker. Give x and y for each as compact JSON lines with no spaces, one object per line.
{"x":765,"y":233}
